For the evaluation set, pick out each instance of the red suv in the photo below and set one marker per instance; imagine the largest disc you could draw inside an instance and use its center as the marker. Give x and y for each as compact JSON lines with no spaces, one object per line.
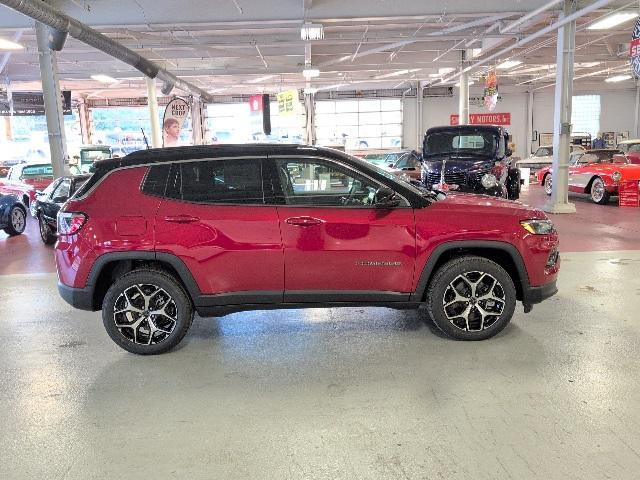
{"x":155,"y":235}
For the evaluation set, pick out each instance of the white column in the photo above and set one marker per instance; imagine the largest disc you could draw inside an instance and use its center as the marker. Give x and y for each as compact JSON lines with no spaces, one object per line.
{"x":559,"y":202}
{"x":52,"y":102}
{"x":528,"y":149}
{"x":85,"y":121}
{"x":463,"y":103}
{"x":419,"y":127}
{"x":310,"y":126}
{"x":152,"y":100}
{"x":197,"y":121}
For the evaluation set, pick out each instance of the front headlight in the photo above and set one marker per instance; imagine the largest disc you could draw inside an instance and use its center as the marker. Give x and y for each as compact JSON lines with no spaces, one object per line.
{"x":617,"y":176}
{"x":489,"y":180}
{"x":538,"y":227}
{"x":405,"y":177}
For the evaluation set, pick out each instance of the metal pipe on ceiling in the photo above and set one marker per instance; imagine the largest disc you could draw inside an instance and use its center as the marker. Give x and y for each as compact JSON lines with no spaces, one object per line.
{"x":47,"y":15}
{"x":530,"y":15}
{"x":551,"y":28}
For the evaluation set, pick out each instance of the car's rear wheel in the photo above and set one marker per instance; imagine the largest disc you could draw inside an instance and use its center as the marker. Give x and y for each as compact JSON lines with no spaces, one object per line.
{"x":598,"y":192}
{"x":471,"y":298}
{"x":46,"y":234}
{"x":17,"y":221}
{"x":147,"y":312}
{"x":548,"y":184}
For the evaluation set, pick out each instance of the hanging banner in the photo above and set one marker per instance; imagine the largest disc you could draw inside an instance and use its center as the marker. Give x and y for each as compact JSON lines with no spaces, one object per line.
{"x":634,"y":49}
{"x":491,"y":91}
{"x":483,"y":119}
{"x":259,"y":115}
{"x":31,"y":103}
{"x":175,"y":115}
{"x":288,"y":103}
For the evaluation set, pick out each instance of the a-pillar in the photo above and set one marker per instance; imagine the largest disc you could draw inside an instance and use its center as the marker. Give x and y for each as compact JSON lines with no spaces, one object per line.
{"x":559,"y":202}
{"x":154,"y":117}
{"x":198,"y":121}
{"x":52,"y":102}
{"x":463,"y":102}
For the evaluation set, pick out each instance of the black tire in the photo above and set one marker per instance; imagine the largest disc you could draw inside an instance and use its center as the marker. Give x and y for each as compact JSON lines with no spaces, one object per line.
{"x":546,"y":184}
{"x":513,"y":184}
{"x":46,"y":234}
{"x":447,"y":283}
{"x":130,"y":292}
{"x":17,"y":221}
{"x":597,"y":192}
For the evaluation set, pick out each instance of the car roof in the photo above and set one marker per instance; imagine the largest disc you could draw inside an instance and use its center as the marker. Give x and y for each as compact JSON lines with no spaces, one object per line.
{"x":172,"y":154}
{"x":445,"y":128}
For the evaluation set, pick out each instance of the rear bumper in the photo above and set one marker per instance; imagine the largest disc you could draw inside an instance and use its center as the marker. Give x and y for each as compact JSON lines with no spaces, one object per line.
{"x":80,"y":298}
{"x":533,"y":295}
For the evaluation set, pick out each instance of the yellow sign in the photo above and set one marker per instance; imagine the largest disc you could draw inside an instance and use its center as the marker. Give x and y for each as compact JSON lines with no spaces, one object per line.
{"x":288,"y":103}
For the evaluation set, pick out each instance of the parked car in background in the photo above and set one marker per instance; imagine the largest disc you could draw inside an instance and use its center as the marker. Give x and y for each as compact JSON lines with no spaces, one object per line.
{"x":406,"y":165}
{"x":47,"y":204}
{"x":13,"y":215}
{"x":631,"y":150}
{"x":541,"y":158}
{"x":474,"y":158}
{"x":25,"y":179}
{"x":153,"y":236}
{"x":89,"y":154}
{"x":596,"y":173}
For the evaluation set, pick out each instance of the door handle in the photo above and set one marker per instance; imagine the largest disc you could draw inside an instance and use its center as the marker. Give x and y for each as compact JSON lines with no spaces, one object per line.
{"x":181,"y":219}
{"x":303,"y":221}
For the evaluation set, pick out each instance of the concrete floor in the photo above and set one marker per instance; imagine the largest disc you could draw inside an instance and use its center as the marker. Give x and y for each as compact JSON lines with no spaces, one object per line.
{"x":329,"y":394}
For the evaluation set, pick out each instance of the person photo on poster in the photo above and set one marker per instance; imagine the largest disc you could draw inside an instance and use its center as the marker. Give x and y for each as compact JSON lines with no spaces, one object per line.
{"x":171,"y":132}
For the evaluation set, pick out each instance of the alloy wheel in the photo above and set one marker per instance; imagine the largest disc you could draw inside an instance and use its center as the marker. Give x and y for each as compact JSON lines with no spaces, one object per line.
{"x":44,"y":229}
{"x":474,"y":301}
{"x":548,"y":185}
{"x":17,"y":219}
{"x":145,"y":314}
{"x":597,"y":190}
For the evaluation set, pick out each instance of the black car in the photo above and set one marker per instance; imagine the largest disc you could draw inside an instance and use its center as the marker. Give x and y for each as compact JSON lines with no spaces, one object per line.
{"x":13,"y":215}
{"x":48,"y":203}
{"x":475,"y":159}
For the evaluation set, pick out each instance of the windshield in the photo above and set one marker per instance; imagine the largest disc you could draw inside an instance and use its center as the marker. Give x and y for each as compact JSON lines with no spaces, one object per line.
{"x":544,"y":152}
{"x":461,"y":142}
{"x":94,"y":155}
{"x":33,"y":171}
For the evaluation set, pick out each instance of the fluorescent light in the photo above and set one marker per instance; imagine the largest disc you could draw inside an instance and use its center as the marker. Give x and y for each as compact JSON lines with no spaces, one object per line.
{"x":104,"y":78}
{"x":310,"y":73}
{"x":471,"y":82}
{"x":8,"y":45}
{"x":444,"y":71}
{"x":312,"y":31}
{"x":476,"y":52}
{"x":587,"y":64}
{"x":508,"y":64}
{"x":397,"y":74}
{"x":612,"y":20}
{"x":260,"y":79}
{"x":618,"y":78}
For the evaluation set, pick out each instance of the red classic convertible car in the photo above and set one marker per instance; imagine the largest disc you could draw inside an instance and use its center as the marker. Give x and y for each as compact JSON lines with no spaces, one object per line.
{"x":25,"y":179}
{"x":597,"y":173}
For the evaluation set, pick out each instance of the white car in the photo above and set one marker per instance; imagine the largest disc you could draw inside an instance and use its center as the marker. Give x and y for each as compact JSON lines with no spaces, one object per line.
{"x":543,"y":157}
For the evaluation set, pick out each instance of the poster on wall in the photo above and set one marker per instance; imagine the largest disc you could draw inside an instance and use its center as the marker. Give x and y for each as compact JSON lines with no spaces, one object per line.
{"x":634,"y":49}
{"x":621,"y":137}
{"x":288,"y":103}
{"x":175,"y":115}
{"x":483,"y":119}
{"x":30,"y":103}
{"x":545,"y":139}
{"x":259,"y":115}
{"x":629,"y":194}
{"x":609,"y":139}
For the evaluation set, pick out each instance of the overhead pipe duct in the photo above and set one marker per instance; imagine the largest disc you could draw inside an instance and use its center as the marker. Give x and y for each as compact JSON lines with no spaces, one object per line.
{"x":59,"y":22}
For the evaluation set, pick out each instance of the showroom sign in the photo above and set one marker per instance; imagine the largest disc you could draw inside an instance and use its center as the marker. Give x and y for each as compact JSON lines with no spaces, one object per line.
{"x":288,"y":103}
{"x":634,"y":49}
{"x":31,"y":103}
{"x":629,"y":194}
{"x":174,"y":117}
{"x":483,"y":119}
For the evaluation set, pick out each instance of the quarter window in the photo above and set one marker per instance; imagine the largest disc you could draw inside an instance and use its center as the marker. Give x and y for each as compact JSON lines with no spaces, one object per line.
{"x":237,"y":181}
{"x":319,"y":183}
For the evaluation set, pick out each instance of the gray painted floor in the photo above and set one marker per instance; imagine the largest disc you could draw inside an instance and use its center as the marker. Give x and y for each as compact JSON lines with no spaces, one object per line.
{"x":330,"y":394}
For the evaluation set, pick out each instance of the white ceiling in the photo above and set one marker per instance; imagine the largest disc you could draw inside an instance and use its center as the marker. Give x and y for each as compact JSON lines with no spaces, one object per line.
{"x":244,"y":46}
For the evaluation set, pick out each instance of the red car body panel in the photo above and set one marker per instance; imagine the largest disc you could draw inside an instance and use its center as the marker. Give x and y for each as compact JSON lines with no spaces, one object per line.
{"x":27,"y":187}
{"x":581,"y":175}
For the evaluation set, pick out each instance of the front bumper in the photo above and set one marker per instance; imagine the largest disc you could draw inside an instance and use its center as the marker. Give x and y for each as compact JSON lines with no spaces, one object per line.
{"x":533,"y":295}
{"x":80,"y":298}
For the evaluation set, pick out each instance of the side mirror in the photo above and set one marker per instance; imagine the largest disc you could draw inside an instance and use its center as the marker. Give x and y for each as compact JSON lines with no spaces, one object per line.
{"x":386,"y":198}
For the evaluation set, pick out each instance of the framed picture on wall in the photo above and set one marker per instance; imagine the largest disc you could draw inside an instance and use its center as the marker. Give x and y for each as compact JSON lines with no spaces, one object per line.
{"x":622,"y":136}
{"x":545,"y":139}
{"x":609,"y":139}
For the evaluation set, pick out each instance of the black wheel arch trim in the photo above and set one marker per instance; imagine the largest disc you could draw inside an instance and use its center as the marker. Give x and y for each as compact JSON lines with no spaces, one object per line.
{"x":429,"y":267}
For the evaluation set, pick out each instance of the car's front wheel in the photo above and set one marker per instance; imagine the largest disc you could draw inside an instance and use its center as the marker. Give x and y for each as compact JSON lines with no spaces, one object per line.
{"x":548,"y":185}
{"x":17,"y":221}
{"x":471,"y":298}
{"x":46,"y":234}
{"x":147,"y":312}
{"x":598,"y":192}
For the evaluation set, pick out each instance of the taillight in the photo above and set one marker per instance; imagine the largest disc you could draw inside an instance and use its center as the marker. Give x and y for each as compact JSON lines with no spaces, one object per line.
{"x":70,"y":223}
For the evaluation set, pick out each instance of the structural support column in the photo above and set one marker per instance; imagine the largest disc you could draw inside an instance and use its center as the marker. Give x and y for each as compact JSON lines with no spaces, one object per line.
{"x":5,"y":131}
{"x":152,"y":100}
{"x":52,"y":102}
{"x":197,"y":121}
{"x":310,"y":127}
{"x":559,"y":202}
{"x":85,"y":121}
{"x":419,"y":115}
{"x":463,"y":103}
{"x":529,"y":139}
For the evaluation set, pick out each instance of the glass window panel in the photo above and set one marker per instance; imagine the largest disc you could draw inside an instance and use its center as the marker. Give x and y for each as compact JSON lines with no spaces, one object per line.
{"x":325,"y":107}
{"x":346,"y":119}
{"x":390,"y":105}
{"x":346,"y":106}
{"x":370,"y":118}
{"x":369,"y":105}
{"x":392,"y":130}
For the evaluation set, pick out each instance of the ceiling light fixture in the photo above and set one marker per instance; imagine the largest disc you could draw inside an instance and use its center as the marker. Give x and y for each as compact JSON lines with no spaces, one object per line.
{"x":618,"y":78}
{"x":104,"y":78}
{"x":445,"y":71}
{"x":312,"y":31}
{"x":612,"y":20}
{"x":310,"y":73}
{"x":397,"y":74}
{"x":9,"y":45}
{"x":508,"y":64}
